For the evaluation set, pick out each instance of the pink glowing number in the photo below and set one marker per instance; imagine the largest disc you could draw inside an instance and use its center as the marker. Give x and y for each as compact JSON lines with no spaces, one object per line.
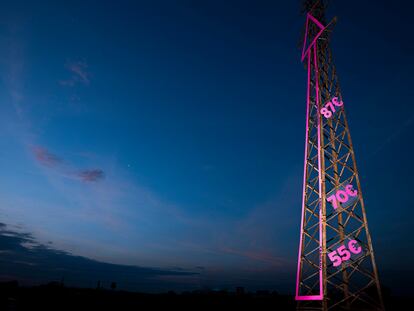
{"x":329,"y":104}
{"x":353,"y":247}
{"x":336,"y":102}
{"x":332,"y":199}
{"x":342,"y":196}
{"x":350,"y":191}
{"x":335,"y":259}
{"x":328,"y":113}
{"x":342,"y":254}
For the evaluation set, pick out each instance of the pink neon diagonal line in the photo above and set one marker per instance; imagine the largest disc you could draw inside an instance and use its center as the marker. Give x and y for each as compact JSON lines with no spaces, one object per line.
{"x":320,"y":296}
{"x":304,"y":183}
{"x":322,"y":27}
{"x":316,"y":21}
{"x":319,"y":167}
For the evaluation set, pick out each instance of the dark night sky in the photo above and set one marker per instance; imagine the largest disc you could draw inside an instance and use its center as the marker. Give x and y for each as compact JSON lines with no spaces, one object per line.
{"x":160,"y":143}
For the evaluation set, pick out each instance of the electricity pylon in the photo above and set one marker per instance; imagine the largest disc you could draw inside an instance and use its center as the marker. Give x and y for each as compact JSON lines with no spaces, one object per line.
{"x":336,"y":264}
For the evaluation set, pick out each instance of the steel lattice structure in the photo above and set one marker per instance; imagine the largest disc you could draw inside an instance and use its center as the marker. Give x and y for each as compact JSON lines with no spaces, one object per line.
{"x":336,"y":264}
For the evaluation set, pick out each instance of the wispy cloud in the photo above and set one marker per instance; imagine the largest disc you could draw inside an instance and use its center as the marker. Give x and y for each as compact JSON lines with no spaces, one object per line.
{"x":24,"y":258}
{"x":91,"y":175}
{"x":79,"y":74}
{"x":45,"y":157}
{"x":52,"y":161}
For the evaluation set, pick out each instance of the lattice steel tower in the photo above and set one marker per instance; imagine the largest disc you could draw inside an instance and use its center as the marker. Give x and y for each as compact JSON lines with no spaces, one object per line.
{"x":336,"y":264}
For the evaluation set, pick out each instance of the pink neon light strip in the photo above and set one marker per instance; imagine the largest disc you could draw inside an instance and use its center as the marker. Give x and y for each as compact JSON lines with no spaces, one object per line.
{"x":322,"y":27}
{"x":320,"y":296}
{"x":319,"y":168}
{"x":316,"y":21}
{"x":298,"y":297}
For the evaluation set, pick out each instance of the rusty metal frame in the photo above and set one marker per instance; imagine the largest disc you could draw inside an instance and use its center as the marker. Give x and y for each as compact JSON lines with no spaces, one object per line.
{"x":329,"y":164}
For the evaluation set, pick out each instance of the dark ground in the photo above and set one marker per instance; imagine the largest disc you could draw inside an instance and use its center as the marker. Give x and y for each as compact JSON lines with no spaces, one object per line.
{"x":54,"y":296}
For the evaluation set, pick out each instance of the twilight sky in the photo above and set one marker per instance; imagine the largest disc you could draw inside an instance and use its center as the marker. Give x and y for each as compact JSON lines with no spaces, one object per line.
{"x":168,"y":135}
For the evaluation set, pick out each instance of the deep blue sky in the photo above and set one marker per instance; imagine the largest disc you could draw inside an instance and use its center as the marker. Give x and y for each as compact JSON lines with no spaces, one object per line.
{"x":169,"y":135}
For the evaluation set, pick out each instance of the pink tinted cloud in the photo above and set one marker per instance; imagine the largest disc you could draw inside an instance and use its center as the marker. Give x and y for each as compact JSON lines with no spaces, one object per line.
{"x":45,"y":157}
{"x":91,"y":175}
{"x":52,"y":161}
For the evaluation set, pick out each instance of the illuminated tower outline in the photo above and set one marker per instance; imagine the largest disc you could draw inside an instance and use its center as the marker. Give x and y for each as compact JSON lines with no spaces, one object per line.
{"x":336,"y":265}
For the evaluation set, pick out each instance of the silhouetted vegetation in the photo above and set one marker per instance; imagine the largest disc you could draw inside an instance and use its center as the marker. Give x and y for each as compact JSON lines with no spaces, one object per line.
{"x":55,"y":296}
